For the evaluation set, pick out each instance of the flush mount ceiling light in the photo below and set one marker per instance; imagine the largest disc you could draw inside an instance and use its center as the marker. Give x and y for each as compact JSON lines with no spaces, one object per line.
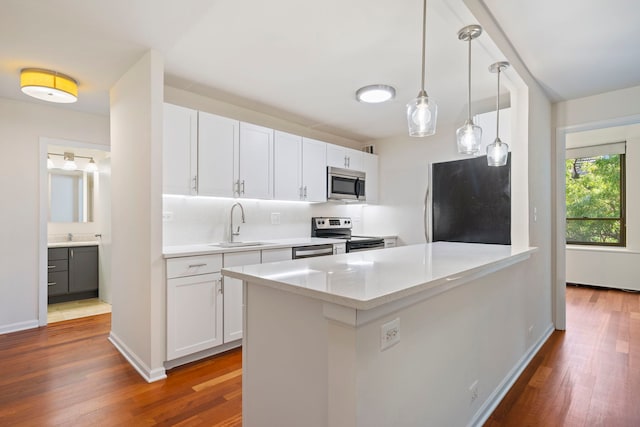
{"x":498,"y":151}
{"x":48,"y":85}
{"x":469,"y":136}
{"x":422,"y":112}
{"x":374,"y":94}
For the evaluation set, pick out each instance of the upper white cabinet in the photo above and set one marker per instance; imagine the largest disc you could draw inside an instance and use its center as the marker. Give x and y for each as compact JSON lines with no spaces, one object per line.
{"x":299,"y":168}
{"x":370,"y":163}
{"x":314,"y":170}
{"x":287,"y":165}
{"x":180,"y":150}
{"x":255,"y":172}
{"x":343,"y":157}
{"x":218,"y":137}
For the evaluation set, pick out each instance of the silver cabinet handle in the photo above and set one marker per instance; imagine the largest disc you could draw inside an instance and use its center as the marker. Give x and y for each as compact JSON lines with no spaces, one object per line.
{"x":195,"y":182}
{"x":243,"y":186}
{"x":220,"y":286}
{"x":51,"y":266}
{"x":51,"y":283}
{"x":71,"y":253}
{"x":300,"y":192}
{"x":305,"y":192}
{"x":197,"y":265}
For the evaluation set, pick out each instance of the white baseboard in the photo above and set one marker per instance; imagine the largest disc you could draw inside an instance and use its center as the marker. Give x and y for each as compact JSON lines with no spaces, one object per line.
{"x":503,"y":388}
{"x":20,"y":326}
{"x":170,"y":364}
{"x":150,"y":375}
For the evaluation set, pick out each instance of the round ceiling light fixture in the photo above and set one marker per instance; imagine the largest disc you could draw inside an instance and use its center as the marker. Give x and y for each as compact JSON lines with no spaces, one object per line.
{"x":375,"y":94}
{"x":48,"y":85}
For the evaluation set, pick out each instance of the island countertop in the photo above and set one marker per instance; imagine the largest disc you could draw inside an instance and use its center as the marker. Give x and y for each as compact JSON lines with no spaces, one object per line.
{"x":369,"y":279}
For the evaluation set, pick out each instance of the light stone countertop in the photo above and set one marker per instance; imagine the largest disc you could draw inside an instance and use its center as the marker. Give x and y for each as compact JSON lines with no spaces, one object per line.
{"x":369,"y":279}
{"x":72,"y":244}
{"x":213,"y":248}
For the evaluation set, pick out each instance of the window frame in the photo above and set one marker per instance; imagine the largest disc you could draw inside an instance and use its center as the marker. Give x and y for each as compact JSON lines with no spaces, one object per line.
{"x":623,"y":208}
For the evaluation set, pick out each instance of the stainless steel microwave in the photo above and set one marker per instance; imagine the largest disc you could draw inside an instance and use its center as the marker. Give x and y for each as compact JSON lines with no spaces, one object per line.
{"x":345,"y":184}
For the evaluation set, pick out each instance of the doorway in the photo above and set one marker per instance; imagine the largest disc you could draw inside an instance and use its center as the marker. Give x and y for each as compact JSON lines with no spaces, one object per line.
{"x":75,"y":230}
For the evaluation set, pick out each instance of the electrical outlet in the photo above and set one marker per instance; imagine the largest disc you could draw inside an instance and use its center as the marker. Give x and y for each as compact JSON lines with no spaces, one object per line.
{"x":473,"y":391}
{"x":390,"y":334}
{"x":275,"y":218}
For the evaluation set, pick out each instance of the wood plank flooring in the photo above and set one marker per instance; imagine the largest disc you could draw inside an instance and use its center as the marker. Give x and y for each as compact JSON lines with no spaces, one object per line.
{"x":588,"y":375}
{"x":68,"y":374}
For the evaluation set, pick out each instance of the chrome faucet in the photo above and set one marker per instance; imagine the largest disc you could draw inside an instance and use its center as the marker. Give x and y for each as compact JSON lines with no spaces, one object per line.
{"x":237,"y":233}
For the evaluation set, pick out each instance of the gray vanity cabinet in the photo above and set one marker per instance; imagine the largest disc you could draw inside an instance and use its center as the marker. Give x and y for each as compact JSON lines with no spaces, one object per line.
{"x":73,"y":273}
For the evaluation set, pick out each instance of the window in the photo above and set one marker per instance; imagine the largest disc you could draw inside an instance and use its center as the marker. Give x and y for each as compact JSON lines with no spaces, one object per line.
{"x":595,"y":184}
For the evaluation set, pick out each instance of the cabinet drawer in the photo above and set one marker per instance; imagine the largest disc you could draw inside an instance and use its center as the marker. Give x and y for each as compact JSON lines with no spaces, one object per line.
{"x":57,"y":253}
{"x":56,"y":265}
{"x":193,"y":265}
{"x":58,"y":283}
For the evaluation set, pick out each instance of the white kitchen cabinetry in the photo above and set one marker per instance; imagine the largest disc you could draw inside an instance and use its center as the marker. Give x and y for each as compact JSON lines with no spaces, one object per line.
{"x":179,"y":150}
{"x":255,"y":172}
{"x":232,"y":291}
{"x":218,"y":138}
{"x":314,"y":170}
{"x":299,"y":168}
{"x":339,"y":248}
{"x":274,"y":255}
{"x":194,"y":304}
{"x":370,"y":163}
{"x":343,"y":157}
{"x":390,"y":242}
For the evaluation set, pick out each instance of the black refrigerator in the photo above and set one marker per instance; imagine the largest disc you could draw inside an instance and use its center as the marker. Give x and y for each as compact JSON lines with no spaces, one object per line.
{"x":471,"y":201}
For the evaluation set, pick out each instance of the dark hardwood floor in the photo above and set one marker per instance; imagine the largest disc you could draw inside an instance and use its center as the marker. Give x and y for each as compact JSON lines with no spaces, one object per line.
{"x":68,"y":374}
{"x":588,"y":375}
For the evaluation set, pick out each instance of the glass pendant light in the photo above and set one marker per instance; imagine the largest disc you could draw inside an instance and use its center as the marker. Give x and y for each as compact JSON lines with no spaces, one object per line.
{"x":498,"y":151}
{"x":91,"y":166}
{"x":469,"y":135}
{"x":422,"y":112}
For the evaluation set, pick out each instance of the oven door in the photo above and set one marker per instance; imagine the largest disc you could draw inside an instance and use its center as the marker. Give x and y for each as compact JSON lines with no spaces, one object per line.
{"x":367,"y":245}
{"x":345,"y":184}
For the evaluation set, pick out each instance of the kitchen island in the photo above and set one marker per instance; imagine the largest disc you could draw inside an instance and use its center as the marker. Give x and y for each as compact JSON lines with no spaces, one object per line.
{"x":377,"y":338}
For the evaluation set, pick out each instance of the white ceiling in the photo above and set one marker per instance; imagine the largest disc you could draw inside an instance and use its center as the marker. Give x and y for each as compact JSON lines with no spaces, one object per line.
{"x":303,"y":61}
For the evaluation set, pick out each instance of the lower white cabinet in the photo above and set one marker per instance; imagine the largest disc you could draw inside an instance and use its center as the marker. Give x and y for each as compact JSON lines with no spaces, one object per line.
{"x":279,"y":254}
{"x":232,"y":291}
{"x":194,"y":305}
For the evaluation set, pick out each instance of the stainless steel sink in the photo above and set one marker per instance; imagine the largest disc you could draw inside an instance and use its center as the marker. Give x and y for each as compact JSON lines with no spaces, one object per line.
{"x":237,"y":244}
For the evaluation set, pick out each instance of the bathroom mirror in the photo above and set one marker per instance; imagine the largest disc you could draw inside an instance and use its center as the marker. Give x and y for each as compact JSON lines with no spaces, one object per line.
{"x":70,"y":196}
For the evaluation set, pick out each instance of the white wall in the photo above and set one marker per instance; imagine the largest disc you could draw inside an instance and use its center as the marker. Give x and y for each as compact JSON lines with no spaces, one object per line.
{"x":23,"y":264}
{"x":607,"y":117}
{"x":138,"y":291}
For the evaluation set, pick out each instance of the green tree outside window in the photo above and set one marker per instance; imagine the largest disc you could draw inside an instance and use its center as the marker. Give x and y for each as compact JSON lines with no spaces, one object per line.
{"x":595,"y":200}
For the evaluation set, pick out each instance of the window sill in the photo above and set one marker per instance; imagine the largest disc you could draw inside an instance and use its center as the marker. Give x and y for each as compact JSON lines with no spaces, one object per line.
{"x":593,"y":248}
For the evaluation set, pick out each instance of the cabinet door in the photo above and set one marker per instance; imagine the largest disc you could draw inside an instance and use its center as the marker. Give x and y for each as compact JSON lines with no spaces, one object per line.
{"x":256,"y":162}
{"x":179,"y":150}
{"x":287,"y":166}
{"x":314,"y":170}
{"x":83,"y":269}
{"x":354,"y":159}
{"x":370,"y":166}
{"x":217,"y":141}
{"x":194,"y":314}
{"x":336,"y":156}
{"x":274,"y":255}
{"x":232,"y":292}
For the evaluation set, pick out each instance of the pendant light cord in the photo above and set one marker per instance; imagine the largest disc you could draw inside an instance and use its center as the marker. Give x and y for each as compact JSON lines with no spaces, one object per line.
{"x":469,"y":81}
{"x":424,"y":37}
{"x":498,"y":106}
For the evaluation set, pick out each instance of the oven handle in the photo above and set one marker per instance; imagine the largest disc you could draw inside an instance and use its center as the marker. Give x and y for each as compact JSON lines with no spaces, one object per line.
{"x":312,"y":251}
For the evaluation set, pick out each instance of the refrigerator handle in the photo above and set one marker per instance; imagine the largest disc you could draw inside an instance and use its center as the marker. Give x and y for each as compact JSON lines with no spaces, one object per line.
{"x":425,"y":214}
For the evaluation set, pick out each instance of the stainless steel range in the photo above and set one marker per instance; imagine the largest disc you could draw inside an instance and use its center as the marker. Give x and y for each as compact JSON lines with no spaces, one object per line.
{"x":340,"y":228}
